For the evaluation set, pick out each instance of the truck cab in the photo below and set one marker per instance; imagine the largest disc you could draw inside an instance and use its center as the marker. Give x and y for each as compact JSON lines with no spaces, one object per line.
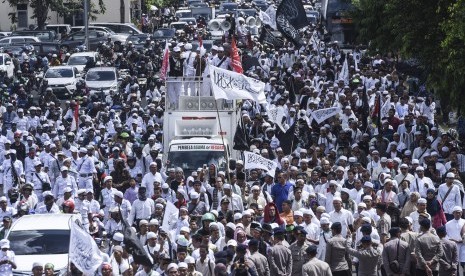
{"x":196,"y":134}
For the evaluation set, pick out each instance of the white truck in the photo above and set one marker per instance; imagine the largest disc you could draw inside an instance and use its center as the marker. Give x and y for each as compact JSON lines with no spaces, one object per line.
{"x":193,"y":136}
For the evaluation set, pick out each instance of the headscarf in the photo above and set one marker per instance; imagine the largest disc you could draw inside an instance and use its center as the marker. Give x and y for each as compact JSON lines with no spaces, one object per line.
{"x":410,"y":207}
{"x":432,"y":204}
{"x":266,"y":216}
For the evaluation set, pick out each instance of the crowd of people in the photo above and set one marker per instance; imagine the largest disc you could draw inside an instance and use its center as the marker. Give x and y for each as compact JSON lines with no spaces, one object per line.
{"x":357,"y":193}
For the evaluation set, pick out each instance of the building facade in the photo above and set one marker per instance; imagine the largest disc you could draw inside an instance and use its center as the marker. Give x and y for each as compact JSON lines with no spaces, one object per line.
{"x":23,"y":13}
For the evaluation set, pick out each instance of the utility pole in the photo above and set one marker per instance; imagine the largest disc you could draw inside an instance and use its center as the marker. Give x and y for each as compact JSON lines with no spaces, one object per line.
{"x":86,"y":23}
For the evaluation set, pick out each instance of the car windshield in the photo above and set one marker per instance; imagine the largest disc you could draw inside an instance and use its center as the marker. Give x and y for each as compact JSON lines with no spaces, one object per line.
{"x":229,"y":7}
{"x":190,"y":160}
{"x":59,"y":73}
{"x":137,"y":39}
{"x":78,"y":60}
{"x":100,"y":76}
{"x":163,"y":33}
{"x":39,"y":242}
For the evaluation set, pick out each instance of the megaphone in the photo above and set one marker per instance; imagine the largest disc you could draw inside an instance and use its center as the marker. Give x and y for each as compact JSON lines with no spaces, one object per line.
{"x":225,"y":25}
{"x":214,"y":25}
{"x":258,"y":22}
{"x":251,"y":21}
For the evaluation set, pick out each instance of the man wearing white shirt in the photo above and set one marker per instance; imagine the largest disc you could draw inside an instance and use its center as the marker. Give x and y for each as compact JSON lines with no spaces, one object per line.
{"x":404,"y":175}
{"x":150,"y":178}
{"x":449,"y":195}
{"x":235,"y":201}
{"x":454,"y":229}
{"x":142,"y":208}
{"x":420,"y":212}
{"x":357,"y":192}
{"x":421,"y":183}
{"x":332,"y":194}
{"x":341,"y":215}
{"x":387,"y":195}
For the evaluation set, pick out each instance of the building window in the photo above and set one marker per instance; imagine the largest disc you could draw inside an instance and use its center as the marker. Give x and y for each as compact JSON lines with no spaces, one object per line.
{"x":22,"y":15}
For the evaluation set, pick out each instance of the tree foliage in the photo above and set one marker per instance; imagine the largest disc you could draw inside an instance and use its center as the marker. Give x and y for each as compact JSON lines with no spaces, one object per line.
{"x":41,"y":8}
{"x":431,"y":31}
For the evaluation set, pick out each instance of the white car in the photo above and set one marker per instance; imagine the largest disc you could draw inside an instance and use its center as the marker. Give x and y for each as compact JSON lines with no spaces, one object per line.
{"x":79,"y":60}
{"x":104,"y":79}
{"x":6,"y":65}
{"x":18,"y":40}
{"x":41,"y":238}
{"x":62,"y":80}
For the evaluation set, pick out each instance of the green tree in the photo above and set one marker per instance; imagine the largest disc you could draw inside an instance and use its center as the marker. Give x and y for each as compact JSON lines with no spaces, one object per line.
{"x":42,"y":7}
{"x":431,"y":31}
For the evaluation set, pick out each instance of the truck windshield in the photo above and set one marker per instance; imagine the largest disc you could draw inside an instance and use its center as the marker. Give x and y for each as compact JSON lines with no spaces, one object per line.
{"x":190,"y":161}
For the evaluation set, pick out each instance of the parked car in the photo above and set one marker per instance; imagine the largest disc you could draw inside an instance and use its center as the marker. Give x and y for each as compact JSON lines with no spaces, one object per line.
{"x":9,"y":40}
{"x":45,"y":48}
{"x":41,"y":238}
{"x":62,"y":80}
{"x":183,"y":13}
{"x":119,"y":28}
{"x":114,"y":36}
{"x":44,"y":35}
{"x":178,"y":25}
{"x":102,"y":79}
{"x":80,"y":60}
{"x":78,"y":38}
{"x":164,"y":33}
{"x":188,"y":20}
{"x":59,"y":29}
{"x":138,"y":40}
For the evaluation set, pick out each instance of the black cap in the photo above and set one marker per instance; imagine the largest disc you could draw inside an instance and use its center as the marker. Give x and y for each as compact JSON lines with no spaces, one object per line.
{"x":278,"y":231}
{"x":425,"y":223}
{"x":366,"y":229}
{"x":267,"y":228}
{"x":300,"y":230}
{"x":254,"y":242}
{"x":394,"y":231}
{"x":311,"y":249}
{"x":241,"y":248}
{"x":441,"y":230}
{"x":366,"y":239}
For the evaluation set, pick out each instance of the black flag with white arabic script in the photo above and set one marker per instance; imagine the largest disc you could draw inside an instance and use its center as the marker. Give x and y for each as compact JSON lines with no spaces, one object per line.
{"x":267,"y":37}
{"x":290,"y":17}
{"x":134,"y":246}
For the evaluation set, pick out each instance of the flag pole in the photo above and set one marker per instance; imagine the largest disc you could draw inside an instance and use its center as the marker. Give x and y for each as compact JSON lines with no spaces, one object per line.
{"x":222,"y":140}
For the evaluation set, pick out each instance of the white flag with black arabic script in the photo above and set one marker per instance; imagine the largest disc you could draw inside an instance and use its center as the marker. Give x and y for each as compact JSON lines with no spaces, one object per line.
{"x":83,"y":251}
{"x":230,"y":85}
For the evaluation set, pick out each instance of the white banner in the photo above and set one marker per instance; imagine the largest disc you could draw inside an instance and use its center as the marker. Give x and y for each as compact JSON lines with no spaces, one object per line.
{"x":271,"y":12}
{"x":322,"y":114}
{"x":170,"y":217}
{"x":255,"y":161}
{"x":83,"y":251}
{"x":234,"y":86}
{"x":276,"y":115}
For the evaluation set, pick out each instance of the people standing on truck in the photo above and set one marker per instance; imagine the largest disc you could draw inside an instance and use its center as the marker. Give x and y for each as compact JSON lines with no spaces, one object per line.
{"x":175,"y":74}
{"x":189,"y":70}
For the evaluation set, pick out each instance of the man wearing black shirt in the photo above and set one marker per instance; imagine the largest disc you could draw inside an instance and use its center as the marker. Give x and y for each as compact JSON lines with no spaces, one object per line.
{"x":174,"y":84}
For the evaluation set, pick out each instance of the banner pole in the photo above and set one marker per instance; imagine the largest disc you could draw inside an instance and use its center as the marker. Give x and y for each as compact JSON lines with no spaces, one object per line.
{"x":222,"y":140}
